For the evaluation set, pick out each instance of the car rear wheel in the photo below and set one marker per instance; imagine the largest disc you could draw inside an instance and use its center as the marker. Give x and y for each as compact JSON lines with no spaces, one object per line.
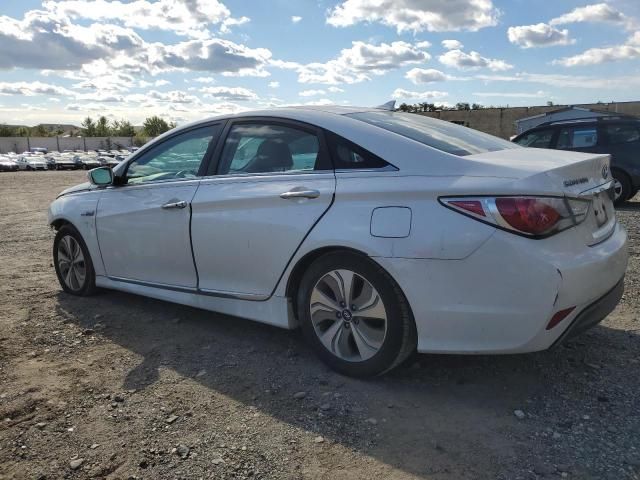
{"x":622,"y":187}
{"x":354,"y":315}
{"x":72,"y":262}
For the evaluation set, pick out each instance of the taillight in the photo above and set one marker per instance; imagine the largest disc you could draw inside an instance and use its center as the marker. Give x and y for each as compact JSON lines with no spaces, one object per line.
{"x":535,"y":217}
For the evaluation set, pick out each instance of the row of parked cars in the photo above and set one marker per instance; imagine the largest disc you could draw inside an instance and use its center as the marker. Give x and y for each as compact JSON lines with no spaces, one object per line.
{"x":41,"y":159}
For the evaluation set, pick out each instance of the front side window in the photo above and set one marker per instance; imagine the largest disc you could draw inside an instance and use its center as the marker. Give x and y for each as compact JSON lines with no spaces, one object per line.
{"x":268,"y":148}
{"x":579,"y":137}
{"x":444,"y":136}
{"x":537,"y":139}
{"x":178,"y":157}
{"x":619,"y":134}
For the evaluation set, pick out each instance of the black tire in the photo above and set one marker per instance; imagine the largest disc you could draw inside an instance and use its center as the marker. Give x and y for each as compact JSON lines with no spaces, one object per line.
{"x":88,"y":286}
{"x":625,"y":182}
{"x":400,"y":339}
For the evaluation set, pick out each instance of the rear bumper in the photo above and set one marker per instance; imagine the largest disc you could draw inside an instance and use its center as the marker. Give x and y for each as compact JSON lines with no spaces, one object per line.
{"x":501,"y":298}
{"x":594,"y":313}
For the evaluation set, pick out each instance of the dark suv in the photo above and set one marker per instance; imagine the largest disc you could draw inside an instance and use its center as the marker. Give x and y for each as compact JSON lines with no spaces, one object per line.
{"x":617,"y":136}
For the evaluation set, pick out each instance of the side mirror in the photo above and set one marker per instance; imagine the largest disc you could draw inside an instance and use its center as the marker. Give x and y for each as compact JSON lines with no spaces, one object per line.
{"x":101,"y":176}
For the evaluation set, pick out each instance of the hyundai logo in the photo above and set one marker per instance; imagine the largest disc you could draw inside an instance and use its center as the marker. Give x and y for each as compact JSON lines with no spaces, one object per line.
{"x":605,"y":172}
{"x":346,"y":314}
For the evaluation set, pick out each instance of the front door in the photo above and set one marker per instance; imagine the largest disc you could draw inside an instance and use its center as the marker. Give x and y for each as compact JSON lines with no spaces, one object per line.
{"x":143,"y":225}
{"x":273,"y":182}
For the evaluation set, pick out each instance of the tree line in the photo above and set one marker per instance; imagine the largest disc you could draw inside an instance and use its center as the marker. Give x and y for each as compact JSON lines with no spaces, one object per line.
{"x":432,"y":107}
{"x":101,"y":127}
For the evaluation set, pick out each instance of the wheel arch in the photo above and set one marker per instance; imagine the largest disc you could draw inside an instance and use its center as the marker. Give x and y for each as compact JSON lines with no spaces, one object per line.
{"x":301,"y":266}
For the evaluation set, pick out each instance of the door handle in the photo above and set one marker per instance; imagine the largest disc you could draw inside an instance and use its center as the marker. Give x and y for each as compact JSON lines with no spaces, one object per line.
{"x":300,"y":192}
{"x":180,"y":204}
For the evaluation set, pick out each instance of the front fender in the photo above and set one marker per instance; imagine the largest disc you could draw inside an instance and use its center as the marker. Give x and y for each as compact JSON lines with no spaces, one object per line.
{"x":80,"y":211}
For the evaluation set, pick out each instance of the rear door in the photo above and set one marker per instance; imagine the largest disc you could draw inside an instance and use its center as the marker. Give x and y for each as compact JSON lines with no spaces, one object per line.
{"x":580,"y":138}
{"x":623,"y":143}
{"x":271,"y":182}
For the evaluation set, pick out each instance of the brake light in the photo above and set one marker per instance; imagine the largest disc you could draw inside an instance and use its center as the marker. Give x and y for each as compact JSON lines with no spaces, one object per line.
{"x":530,"y":215}
{"x":535,"y":217}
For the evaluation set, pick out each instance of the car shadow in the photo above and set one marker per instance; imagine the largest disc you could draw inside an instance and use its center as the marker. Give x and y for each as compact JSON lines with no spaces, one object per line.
{"x":434,"y":414}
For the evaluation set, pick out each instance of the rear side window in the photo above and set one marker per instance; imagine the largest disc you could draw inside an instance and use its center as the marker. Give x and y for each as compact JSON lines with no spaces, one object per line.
{"x":252,"y":148}
{"x":537,"y":139}
{"x":618,"y":134}
{"x":444,"y":136}
{"x":578,"y":137}
{"x":349,"y":156}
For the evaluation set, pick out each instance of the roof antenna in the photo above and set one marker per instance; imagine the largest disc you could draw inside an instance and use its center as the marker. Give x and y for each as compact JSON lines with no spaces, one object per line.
{"x":390,"y":105}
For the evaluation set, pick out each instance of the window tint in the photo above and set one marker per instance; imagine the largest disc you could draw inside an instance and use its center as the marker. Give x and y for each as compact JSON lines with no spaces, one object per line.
{"x":445,"y":136}
{"x":622,"y":134}
{"x":578,"y":137}
{"x":264,"y":148}
{"x":175,"y":158}
{"x":348,"y":156}
{"x":537,"y":139}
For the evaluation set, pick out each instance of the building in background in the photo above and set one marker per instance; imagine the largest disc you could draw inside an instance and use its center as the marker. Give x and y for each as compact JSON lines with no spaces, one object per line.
{"x":509,"y":121}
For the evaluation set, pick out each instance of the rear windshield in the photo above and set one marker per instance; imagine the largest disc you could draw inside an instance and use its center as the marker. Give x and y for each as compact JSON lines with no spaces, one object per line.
{"x":445,"y":136}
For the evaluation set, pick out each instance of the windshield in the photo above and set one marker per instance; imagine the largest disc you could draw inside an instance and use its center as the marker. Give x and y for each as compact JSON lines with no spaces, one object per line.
{"x":445,"y":136}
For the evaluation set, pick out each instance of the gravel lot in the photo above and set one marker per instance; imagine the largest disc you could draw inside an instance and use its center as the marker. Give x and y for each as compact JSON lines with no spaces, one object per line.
{"x":123,"y":387}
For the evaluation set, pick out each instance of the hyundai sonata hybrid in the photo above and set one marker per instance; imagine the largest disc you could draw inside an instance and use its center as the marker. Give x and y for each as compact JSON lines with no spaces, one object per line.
{"x":378,"y":233}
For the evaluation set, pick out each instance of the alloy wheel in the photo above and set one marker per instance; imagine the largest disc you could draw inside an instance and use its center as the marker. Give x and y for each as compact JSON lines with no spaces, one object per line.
{"x":71,"y":263}
{"x":348,"y":315}
{"x":617,"y":189}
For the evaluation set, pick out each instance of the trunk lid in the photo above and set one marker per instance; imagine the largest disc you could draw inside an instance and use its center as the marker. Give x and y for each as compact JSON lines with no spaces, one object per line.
{"x":558,"y":173}
{"x":571,"y":173}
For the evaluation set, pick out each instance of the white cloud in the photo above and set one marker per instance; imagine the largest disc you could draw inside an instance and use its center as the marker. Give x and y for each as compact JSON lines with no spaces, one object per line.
{"x":31,"y":89}
{"x":399,"y":93}
{"x":538,"y":94}
{"x":295,"y":19}
{"x":472,"y":60}
{"x":452,"y":44}
{"x":335,"y":89}
{"x":567,"y":81}
{"x":539,"y":35}
{"x":417,"y":15}
{"x":311,"y":93}
{"x":358,"y":63}
{"x":596,"y":13}
{"x":212,"y":55}
{"x":274,"y":84}
{"x":321,"y":102}
{"x":422,"y":75}
{"x":183,"y":17}
{"x":595,"y":56}
{"x":230,"y":93}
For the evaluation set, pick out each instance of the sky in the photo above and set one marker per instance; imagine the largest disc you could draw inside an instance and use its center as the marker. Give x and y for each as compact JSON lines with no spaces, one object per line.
{"x":63,"y":60}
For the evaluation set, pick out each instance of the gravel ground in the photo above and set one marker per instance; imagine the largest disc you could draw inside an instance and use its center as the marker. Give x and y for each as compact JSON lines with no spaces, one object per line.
{"x":123,"y":387}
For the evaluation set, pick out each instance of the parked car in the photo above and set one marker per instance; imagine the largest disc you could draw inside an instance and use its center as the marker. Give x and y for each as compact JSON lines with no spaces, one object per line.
{"x":41,"y":150}
{"x":616,"y":135}
{"x":7,"y":165}
{"x":377,"y":232}
{"x":110,"y":162}
{"x":87,"y":161}
{"x":66,"y":161}
{"x":31,"y":162}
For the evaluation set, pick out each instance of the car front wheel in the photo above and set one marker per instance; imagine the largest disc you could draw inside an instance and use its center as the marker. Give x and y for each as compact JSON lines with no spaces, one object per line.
{"x":354,"y":315}
{"x":72,"y":262}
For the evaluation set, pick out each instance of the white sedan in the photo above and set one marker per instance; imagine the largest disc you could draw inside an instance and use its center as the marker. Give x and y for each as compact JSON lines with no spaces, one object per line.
{"x":377,"y":232}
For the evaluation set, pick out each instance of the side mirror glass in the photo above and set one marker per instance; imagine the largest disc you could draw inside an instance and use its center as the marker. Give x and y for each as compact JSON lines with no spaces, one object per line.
{"x":101,"y":176}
